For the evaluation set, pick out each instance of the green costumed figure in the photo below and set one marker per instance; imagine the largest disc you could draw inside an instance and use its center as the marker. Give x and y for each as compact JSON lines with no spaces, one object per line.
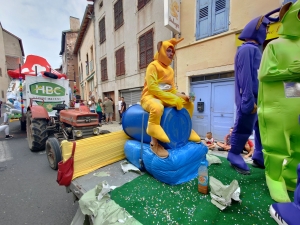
{"x":279,"y":105}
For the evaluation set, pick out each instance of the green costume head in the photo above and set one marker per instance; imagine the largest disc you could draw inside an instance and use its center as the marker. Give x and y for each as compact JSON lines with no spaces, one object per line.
{"x":290,"y":20}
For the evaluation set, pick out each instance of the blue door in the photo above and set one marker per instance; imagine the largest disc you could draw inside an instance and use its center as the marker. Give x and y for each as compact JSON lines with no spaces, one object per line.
{"x":218,"y":114}
{"x":201,"y":120}
{"x":222,"y":109}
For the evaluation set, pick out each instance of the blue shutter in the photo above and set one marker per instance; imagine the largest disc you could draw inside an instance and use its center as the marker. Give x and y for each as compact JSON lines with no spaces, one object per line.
{"x":220,"y":17}
{"x":203,"y":20}
{"x":286,"y":1}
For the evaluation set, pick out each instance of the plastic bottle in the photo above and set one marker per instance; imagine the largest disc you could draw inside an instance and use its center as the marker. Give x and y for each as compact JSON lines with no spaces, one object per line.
{"x":203,"y":179}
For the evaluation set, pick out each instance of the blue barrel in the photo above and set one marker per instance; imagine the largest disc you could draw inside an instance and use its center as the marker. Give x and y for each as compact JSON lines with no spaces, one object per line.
{"x":176,"y":123}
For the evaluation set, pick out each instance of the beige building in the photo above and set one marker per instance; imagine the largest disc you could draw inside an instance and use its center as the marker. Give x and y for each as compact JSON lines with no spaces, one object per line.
{"x":126,"y":33}
{"x":3,"y":74}
{"x":84,"y":49}
{"x":11,"y":54}
{"x":205,"y":59}
{"x":69,"y":60}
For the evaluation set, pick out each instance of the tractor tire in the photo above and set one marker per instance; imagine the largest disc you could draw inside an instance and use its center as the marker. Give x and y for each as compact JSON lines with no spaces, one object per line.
{"x":53,"y":152}
{"x":23,"y":125}
{"x":37,"y":133}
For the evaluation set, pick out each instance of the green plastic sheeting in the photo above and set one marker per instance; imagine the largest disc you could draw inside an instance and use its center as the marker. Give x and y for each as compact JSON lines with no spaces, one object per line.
{"x":153,"y":202}
{"x":104,"y":211}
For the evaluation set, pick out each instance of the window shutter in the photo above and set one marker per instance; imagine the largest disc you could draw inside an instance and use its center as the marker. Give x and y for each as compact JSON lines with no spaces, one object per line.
{"x":286,"y":1}
{"x":142,"y":51}
{"x":220,"y":16}
{"x":122,"y":66}
{"x":149,"y":43}
{"x":140,"y":4}
{"x":203,"y":26}
{"x":117,"y":63}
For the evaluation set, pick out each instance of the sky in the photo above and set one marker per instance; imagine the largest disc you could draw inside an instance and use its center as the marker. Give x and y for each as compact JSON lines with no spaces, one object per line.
{"x":39,"y":23}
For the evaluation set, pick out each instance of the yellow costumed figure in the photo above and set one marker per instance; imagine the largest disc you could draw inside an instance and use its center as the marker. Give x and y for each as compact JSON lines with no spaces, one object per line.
{"x":159,"y":92}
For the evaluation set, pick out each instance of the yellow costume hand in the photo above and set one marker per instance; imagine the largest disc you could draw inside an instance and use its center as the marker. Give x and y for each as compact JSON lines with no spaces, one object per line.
{"x":179,"y":104}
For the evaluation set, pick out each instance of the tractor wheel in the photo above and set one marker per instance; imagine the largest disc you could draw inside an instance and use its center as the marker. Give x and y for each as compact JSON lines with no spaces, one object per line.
{"x":53,"y":152}
{"x":23,"y":124}
{"x":37,"y":134}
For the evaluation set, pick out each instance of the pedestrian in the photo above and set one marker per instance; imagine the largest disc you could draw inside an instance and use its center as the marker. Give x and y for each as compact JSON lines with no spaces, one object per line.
{"x":5,"y":127}
{"x":99,"y":110}
{"x":91,"y":95}
{"x":113,"y":104}
{"x":123,"y":109}
{"x":119,"y":107}
{"x":108,"y":109}
{"x":92,"y":104}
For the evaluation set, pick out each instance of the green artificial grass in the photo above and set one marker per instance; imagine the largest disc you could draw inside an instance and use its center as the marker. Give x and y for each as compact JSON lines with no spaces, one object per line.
{"x":152,"y":202}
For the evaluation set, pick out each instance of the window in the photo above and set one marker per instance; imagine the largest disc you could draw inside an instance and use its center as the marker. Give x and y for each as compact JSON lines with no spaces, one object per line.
{"x":102,"y":30}
{"x":2,"y":93}
{"x":92,"y":60}
{"x":91,"y":84}
{"x":118,"y":10}
{"x":79,"y":55}
{"x":81,"y":73}
{"x":146,"y":48}
{"x":212,"y":17}
{"x":120,"y":62}
{"x":100,"y":4}
{"x":0,"y":72}
{"x":87,"y":64}
{"x":142,"y":3}
{"x":103,"y":63}
{"x":92,"y":52}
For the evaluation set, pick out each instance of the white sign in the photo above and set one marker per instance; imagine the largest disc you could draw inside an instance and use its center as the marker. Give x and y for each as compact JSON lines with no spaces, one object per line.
{"x":172,"y":15}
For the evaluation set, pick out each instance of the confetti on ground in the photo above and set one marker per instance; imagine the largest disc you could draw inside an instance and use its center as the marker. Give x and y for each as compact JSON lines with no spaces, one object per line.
{"x":152,"y":202}
{"x":101,"y":174}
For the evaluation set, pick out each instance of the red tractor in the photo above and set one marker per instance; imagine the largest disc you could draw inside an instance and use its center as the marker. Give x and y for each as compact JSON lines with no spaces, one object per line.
{"x":70,"y":124}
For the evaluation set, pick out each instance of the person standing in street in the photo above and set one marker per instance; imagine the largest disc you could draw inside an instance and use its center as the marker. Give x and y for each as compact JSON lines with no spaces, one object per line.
{"x":119,"y":107}
{"x":92,"y":104}
{"x":99,"y":110}
{"x":123,"y":109}
{"x":108,"y":109}
{"x":5,"y":127}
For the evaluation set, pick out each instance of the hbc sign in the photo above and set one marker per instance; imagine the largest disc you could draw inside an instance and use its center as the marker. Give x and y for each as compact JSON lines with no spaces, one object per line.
{"x":47,"y":89}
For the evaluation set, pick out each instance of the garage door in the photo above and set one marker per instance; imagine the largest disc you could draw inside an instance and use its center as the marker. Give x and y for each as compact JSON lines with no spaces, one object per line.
{"x":131,"y":97}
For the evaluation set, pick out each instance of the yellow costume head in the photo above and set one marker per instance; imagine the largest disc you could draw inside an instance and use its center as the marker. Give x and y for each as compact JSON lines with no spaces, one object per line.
{"x":162,"y":47}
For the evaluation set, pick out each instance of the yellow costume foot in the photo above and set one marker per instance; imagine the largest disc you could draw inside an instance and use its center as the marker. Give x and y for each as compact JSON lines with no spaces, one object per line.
{"x":194,"y":137}
{"x":157,"y":132}
{"x":159,"y":150}
{"x":277,"y":190}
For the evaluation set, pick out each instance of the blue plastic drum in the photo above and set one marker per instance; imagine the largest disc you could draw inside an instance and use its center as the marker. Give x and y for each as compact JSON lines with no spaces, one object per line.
{"x":176,"y":123}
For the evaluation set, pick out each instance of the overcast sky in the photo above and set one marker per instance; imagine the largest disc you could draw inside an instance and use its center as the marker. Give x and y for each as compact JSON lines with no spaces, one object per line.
{"x":39,"y":23}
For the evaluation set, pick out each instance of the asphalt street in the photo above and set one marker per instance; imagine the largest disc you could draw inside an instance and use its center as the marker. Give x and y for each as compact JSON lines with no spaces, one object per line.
{"x":29,"y":193}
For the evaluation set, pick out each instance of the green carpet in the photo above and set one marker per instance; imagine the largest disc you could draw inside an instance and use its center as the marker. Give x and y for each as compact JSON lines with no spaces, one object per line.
{"x":153,"y":202}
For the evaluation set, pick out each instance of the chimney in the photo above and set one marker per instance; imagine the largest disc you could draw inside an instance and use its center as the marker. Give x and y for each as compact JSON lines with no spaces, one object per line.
{"x":74,"y":24}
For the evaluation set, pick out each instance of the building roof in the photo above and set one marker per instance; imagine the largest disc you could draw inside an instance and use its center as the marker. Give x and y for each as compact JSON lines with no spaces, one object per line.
{"x":20,"y":41}
{"x":89,"y":10}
